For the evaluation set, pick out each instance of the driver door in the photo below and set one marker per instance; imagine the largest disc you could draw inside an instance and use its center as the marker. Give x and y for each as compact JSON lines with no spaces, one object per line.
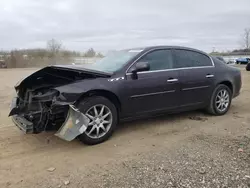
{"x":153,"y":90}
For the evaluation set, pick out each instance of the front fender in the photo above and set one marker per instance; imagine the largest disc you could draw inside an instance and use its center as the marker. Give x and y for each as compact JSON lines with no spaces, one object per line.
{"x":70,"y":93}
{"x":76,"y":122}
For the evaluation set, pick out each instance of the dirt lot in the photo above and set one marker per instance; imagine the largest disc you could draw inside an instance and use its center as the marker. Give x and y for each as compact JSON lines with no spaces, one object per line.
{"x":184,"y":150}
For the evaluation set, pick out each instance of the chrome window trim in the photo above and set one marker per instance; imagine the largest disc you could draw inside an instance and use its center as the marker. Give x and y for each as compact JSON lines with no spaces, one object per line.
{"x":166,"y":70}
{"x":143,"y":72}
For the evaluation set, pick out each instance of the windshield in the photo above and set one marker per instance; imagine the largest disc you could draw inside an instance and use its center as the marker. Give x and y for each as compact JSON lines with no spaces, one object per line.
{"x":113,"y":61}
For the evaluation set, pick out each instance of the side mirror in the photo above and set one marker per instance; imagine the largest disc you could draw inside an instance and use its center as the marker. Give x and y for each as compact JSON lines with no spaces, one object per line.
{"x":141,"y":66}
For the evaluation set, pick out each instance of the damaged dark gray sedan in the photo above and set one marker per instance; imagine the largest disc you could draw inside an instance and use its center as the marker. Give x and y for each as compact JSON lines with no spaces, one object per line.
{"x":87,"y":102}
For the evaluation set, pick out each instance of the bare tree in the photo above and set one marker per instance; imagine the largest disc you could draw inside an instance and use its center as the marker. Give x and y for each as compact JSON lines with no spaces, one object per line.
{"x":54,"y":46}
{"x":90,"y":53}
{"x":246,"y":38}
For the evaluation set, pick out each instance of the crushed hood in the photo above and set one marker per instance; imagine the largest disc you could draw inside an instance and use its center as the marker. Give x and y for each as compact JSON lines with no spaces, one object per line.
{"x":59,"y":75}
{"x":81,"y":69}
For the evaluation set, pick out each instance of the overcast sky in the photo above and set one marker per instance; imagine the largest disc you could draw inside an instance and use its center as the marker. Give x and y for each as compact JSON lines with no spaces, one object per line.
{"x":116,"y":24}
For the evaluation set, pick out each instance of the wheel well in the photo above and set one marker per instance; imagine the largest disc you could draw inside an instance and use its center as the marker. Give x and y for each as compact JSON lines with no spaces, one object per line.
{"x":228,"y":84}
{"x":104,"y":93}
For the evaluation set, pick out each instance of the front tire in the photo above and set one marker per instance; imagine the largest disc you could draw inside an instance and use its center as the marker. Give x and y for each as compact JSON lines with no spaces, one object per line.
{"x":220,"y":101}
{"x":103,"y":119}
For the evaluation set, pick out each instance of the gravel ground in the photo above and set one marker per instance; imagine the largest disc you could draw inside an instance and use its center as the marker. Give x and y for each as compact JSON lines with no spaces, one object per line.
{"x":198,"y":163}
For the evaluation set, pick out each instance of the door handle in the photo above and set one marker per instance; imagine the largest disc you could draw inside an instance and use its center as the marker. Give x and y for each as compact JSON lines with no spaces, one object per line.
{"x":172,"y":80}
{"x":209,"y":76}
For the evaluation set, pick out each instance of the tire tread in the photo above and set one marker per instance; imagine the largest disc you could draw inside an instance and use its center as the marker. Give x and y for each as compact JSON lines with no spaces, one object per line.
{"x":211,"y":109}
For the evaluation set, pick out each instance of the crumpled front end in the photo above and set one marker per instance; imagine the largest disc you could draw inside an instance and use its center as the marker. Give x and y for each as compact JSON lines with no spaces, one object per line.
{"x":64,"y":118}
{"x":47,"y":101}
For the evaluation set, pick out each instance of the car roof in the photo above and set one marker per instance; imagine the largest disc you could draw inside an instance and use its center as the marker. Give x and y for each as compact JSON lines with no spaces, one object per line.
{"x":147,"y":48}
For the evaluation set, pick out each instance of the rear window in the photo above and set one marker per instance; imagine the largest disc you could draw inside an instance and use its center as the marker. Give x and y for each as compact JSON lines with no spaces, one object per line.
{"x":187,"y":58}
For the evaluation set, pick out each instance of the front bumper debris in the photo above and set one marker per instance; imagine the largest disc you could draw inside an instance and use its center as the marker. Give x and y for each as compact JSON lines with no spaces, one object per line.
{"x":23,"y":124}
{"x":75,"y":124}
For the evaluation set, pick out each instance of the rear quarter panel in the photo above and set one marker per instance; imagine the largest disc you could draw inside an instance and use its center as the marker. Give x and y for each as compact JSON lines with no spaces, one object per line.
{"x":227,"y":73}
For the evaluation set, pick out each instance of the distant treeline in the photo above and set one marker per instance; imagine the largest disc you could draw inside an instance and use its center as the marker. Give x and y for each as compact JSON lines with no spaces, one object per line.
{"x":232,"y":53}
{"x":53,"y":54}
{"x":42,"y":57}
{"x":48,"y":53}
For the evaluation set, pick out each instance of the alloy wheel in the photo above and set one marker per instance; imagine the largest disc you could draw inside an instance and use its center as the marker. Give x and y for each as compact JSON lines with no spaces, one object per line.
{"x":222,"y":100}
{"x":100,"y":121}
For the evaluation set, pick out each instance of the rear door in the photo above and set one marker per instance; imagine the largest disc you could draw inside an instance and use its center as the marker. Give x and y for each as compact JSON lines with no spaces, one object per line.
{"x":153,"y":90}
{"x":196,"y":76}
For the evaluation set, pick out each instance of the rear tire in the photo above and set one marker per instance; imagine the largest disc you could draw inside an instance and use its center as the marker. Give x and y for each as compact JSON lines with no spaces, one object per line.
{"x":220,"y":101}
{"x":248,"y":67}
{"x":89,"y":107}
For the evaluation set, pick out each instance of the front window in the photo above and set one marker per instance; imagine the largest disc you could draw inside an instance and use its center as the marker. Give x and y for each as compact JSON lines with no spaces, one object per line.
{"x":113,"y":61}
{"x":158,"y":60}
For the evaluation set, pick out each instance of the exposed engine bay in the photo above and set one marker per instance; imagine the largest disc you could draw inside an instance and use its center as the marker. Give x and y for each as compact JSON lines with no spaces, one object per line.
{"x":47,"y":100}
